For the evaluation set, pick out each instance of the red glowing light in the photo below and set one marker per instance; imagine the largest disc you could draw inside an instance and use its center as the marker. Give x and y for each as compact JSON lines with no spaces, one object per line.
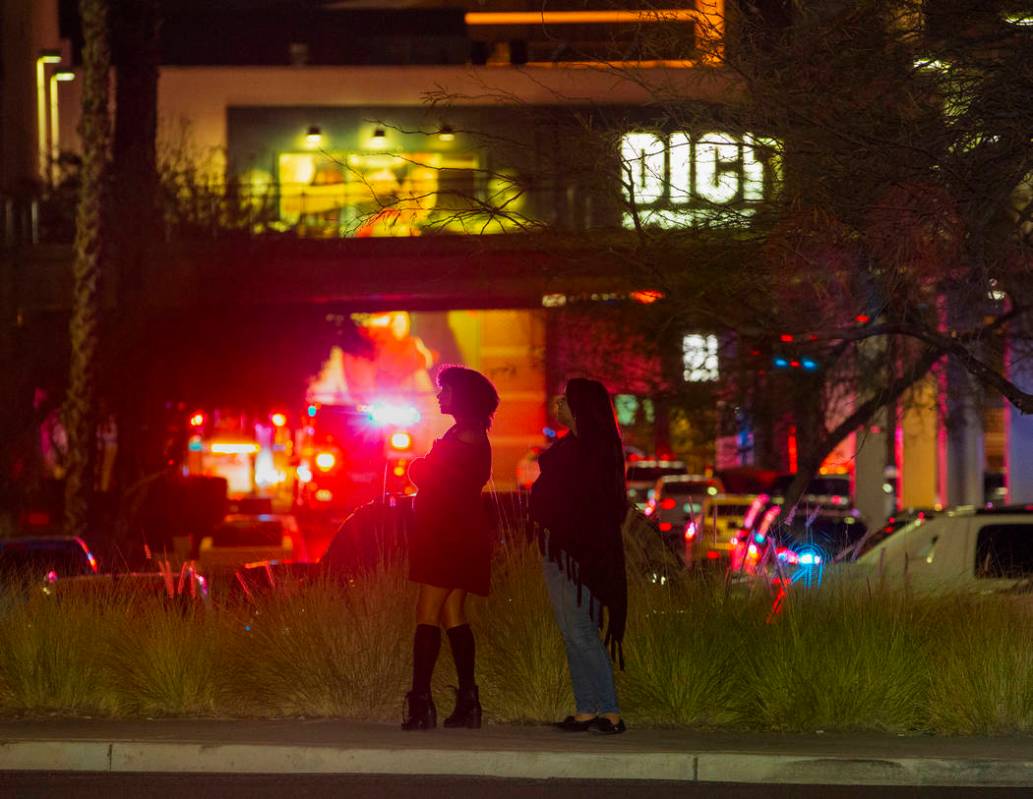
{"x":786,"y":337}
{"x":713,"y":555}
{"x":646,"y":296}
{"x":668,"y":503}
{"x":665,"y":527}
{"x":862,"y":319}
{"x":795,"y":364}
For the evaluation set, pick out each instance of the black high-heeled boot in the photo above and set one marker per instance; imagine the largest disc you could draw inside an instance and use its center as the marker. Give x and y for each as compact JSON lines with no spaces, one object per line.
{"x":420,"y":713}
{"x":468,"y":709}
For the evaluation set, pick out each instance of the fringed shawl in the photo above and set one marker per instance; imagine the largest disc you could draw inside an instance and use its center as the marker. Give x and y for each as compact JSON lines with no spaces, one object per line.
{"x":579,"y":519}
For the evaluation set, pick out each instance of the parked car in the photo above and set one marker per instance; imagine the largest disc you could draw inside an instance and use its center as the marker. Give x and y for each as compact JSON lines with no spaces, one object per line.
{"x":45,"y":557}
{"x":185,"y":584}
{"x":961,"y":549}
{"x":712,"y":535}
{"x":677,"y":498}
{"x":242,"y":539}
{"x":830,"y":492}
{"x":641,"y":477}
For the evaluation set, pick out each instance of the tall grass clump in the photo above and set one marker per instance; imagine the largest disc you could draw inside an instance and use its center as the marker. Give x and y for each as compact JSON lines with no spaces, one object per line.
{"x":323,"y":649}
{"x":53,"y":652}
{"x":165,"y":659}
{"x":833,"y":660}
{"x":981,"y":671}
{"x":684,"y":653}
{"x":521,"y":661}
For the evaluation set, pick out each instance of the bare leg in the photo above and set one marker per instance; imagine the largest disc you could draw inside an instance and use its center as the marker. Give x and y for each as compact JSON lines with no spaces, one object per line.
{"x":429,"y":603}
{"x":453,"y":611}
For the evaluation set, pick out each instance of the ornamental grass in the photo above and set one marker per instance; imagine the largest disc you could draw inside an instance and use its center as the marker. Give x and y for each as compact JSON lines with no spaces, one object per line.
{"x":699,"y":653}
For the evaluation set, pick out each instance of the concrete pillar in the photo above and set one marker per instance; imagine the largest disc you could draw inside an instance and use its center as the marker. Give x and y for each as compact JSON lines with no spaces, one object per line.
{"x":874,"y":503}
{"x":1019,"y":428}
{"x":965,"y":451}
{"x":917,"y":445}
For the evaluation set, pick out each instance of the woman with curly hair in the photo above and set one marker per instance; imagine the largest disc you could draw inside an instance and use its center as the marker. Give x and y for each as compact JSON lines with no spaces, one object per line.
{"x":449,"y":545}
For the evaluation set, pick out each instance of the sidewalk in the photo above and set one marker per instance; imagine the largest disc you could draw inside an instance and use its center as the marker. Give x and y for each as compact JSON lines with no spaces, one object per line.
{"x":336,"y":746}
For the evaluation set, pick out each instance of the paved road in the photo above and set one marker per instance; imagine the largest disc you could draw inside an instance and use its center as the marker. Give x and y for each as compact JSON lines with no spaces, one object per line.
{"x":40,"y":785}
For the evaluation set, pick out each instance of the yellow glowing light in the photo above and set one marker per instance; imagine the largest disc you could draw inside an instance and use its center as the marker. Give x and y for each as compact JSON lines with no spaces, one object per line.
{"x":580,"y":17}
{"x":60,"y":76}
{"x":378,"y":140}
{"x":399,"y":471}
{"x":324,"y":495}
{"x":197,"y":419}
{"x":45,"y":57}
{"x":446,"y":133}
{"x":325,"y":461}
{"x":278,"y":419}
{"x":401,"y":440}
{"x":313,"y":137}
{"x":233,"y":447}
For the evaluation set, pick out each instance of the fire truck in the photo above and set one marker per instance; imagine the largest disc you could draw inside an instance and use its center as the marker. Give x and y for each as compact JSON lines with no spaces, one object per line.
{"x":351,"y":454}
{"x":329,"y":458}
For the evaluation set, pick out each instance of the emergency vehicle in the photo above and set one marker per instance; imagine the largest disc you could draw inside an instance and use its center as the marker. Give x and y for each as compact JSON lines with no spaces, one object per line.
{"x":333,"y":458}
{"x":352,"y":454}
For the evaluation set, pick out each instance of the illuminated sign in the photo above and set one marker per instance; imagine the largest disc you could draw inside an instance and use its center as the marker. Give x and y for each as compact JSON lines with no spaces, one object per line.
{"x":699,"y":358}
{"x":684,"y":179}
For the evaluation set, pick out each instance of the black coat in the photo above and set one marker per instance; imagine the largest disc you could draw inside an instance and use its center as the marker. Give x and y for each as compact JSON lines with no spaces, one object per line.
{"x":581,"y":504}
{"x":450,"y":544}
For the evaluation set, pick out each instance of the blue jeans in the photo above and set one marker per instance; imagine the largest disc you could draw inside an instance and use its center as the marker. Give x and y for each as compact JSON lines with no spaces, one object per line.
{"x":590,"y":671}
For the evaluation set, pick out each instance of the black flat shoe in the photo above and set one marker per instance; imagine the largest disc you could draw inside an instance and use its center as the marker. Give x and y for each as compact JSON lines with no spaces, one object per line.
{"x":571,"y":724}
{"x":603,"y":726}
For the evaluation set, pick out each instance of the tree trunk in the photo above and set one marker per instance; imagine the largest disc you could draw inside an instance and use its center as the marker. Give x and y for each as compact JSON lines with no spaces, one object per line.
{"x":81,"y":400}
{"x":135,"y":203}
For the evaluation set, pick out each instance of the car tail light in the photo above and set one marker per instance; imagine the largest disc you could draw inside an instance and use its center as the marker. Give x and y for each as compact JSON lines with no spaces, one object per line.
{"x":325,"y":461}
{"x":668,"y":503}
{"x":665,"y":527}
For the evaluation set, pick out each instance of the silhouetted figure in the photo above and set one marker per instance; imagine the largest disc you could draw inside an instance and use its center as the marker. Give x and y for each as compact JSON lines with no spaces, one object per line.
{"x":579,"y":503}
{"x":450,"y":545}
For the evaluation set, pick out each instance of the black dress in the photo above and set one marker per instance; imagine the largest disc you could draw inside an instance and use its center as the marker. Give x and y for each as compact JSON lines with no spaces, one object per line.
{"x":450,"y":545}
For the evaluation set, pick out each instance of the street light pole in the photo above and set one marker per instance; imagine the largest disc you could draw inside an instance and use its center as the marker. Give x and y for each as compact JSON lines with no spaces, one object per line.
{"x":45,"y":57}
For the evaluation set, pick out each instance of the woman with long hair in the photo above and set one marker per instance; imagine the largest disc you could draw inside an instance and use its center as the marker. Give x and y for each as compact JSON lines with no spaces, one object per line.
{"x":579,"y":503}
{"x":449,"y":545}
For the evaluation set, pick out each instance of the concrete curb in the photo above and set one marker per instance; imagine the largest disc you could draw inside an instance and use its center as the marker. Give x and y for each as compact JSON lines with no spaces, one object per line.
{"x":136,"y":756}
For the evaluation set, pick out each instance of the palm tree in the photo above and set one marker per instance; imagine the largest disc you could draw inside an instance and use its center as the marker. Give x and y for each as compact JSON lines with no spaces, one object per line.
{"x":81,"y":400}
